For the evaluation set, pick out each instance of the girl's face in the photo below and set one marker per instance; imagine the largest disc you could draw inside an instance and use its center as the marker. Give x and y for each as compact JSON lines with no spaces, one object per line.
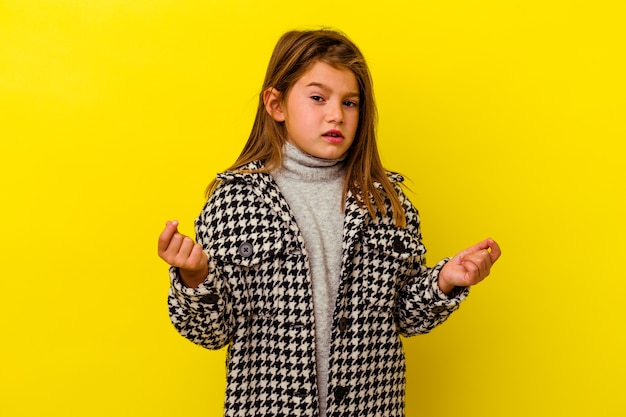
{"x":321,"y":112}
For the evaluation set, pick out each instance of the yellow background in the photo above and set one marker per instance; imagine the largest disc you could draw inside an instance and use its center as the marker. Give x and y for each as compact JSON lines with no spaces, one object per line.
{"x":507,"y":116}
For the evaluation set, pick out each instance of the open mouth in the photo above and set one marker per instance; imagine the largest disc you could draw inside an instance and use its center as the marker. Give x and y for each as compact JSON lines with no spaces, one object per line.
{"x":334,"y":134}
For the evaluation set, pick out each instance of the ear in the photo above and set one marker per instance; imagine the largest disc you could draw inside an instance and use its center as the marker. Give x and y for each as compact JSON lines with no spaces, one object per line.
{"x":273,"y":104}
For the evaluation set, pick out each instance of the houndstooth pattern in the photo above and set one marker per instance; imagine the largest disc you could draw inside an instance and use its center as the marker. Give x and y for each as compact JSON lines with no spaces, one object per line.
{"x":257,"y":300}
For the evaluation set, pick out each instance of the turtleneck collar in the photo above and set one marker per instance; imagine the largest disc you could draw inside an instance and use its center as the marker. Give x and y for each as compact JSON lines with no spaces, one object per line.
{"x":299,"y":165}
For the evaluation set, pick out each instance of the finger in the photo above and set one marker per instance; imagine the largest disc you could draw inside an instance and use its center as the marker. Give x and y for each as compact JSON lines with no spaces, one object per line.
{"x":477,"y":256}
{"x":166,"y":235}
{"x":191,"y":257}
{"x":179,"y":252}
{"x":171,"y":254}
{"x":495,"y":250}
{"x":197,"y":257}
{"x":472,"y":272}
{"x":481,"y":259}
{"x":185,"y":249}
{"x":487,"y":244}
{"x":176,"y":244}
{"x":475,"y":248}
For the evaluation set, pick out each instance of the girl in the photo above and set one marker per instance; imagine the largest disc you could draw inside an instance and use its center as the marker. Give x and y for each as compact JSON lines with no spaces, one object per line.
{"x":309,"y":263}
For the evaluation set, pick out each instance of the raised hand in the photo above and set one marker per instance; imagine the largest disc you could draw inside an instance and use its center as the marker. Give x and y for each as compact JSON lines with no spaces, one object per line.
{"x":181,"y":251}
{"x":469,"y":267}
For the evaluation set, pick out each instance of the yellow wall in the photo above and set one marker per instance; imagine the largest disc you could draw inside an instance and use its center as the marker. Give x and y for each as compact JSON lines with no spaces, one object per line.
{"x":508,"y":116}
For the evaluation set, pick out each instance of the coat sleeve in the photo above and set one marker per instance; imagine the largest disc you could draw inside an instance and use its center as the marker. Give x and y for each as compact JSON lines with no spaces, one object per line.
{"x":421,"y":305}
{"x":203,"y":314}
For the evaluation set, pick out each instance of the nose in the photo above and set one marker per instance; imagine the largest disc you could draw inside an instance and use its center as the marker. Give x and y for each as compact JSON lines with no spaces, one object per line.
{"x":334,"y":112}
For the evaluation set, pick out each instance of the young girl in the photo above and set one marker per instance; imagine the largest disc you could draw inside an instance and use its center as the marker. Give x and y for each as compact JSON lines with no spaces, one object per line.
{"x":309,"y":263}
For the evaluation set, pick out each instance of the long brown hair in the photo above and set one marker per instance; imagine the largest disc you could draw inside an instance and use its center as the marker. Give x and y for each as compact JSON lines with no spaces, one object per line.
{"x":294,"y":53}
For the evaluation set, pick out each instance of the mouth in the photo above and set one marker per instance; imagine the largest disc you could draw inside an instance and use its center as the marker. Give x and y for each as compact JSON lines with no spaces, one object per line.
{"x":333,"y":135}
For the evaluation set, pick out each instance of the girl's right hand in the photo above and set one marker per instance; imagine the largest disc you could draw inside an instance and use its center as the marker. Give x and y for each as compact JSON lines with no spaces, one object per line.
{"x":181,"y":251}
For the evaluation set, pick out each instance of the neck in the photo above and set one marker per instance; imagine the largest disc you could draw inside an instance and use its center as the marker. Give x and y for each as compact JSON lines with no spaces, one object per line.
{"x":299,"y":165}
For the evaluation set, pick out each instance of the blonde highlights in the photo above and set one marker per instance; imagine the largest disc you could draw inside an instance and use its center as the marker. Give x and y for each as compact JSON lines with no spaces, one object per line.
{"x":294,"y":53}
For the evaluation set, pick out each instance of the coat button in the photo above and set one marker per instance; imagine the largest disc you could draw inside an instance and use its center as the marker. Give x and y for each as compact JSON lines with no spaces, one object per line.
{"x":341,"y":392}
{"x":398,"y":244}
{"x":438,"y":309}
{"x":245,"y":249}
{"x":210,"y":299}
{"x":343,"y":324}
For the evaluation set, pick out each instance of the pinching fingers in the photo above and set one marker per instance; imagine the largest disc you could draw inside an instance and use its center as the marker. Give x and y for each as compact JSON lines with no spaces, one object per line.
{"x":166,"y":235}
{"x":477,"y":264}
{"x":494,"y":250}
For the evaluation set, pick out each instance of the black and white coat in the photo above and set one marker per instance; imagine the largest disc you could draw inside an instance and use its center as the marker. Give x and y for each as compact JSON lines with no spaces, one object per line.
{"x":257,"y":300}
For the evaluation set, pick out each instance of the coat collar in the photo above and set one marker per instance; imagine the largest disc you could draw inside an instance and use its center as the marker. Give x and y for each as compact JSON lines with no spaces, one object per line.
{"x":249,"y":174}
{"x":266,"y":189}
{"x":263,"y":186}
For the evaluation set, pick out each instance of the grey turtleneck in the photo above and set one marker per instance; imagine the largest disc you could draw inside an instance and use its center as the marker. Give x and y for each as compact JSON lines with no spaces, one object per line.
{"x":313,"y":189}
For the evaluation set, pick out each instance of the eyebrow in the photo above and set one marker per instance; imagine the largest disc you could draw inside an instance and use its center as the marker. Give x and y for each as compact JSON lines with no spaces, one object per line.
{"x":325,"y":87}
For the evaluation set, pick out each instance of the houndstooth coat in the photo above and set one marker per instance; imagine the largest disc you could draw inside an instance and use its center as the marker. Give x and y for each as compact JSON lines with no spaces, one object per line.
{"x":257,"y":300}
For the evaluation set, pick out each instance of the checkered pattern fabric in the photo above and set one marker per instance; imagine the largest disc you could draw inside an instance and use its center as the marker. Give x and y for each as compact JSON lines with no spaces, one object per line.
{"x":257,"y":300}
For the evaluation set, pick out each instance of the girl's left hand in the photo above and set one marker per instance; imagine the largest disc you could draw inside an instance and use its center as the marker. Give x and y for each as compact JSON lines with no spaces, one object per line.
{"x":470,"y":266}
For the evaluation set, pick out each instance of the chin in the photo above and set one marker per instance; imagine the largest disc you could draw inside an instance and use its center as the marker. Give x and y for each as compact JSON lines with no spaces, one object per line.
{"x":332,"y":155}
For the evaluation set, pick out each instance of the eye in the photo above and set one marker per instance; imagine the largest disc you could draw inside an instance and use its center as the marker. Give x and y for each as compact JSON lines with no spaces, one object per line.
{"x":317,"y":98}
{"x":350,"y":103}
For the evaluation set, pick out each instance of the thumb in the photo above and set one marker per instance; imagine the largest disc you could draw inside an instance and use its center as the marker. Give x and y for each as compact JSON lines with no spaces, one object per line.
{"x":172,"y":224}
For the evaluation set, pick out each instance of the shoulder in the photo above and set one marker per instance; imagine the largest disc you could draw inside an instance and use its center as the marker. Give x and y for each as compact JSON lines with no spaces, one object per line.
{"x":241,"y":199}
{"x":398,"y":182}
{"x":235,"y":186}
{"x":395,"y":177}
{"x":246,"y":173}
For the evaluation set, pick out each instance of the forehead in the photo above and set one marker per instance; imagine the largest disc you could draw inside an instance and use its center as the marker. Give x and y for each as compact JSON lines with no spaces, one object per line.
{"x":323,"y":75}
